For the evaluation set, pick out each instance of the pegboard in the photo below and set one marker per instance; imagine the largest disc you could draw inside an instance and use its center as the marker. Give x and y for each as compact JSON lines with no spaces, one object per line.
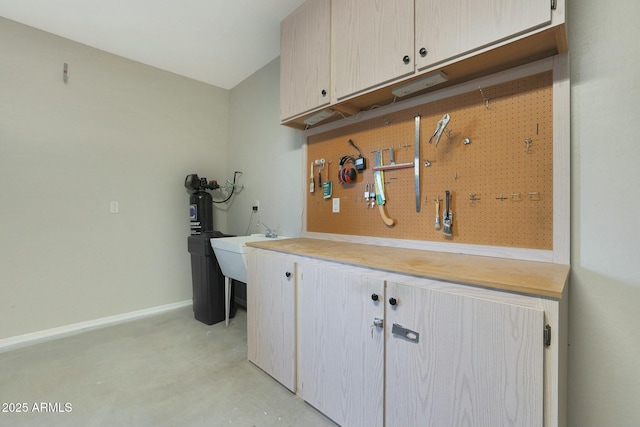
{"x":501,"y":181}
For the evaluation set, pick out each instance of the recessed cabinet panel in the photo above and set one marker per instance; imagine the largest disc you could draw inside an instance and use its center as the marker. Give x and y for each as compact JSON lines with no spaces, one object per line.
{"x":305,"y":61}
{"x":372,"y":43}
{"x":476,"y":363}
{"x":340,"y":349}
{"x":446,"y":29}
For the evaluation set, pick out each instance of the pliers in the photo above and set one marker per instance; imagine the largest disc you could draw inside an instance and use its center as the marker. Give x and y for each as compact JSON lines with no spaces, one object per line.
{"x":442,"y":123}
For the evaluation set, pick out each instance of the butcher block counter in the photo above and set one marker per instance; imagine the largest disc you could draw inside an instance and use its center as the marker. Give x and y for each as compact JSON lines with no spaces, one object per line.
{"x":526,"y":277}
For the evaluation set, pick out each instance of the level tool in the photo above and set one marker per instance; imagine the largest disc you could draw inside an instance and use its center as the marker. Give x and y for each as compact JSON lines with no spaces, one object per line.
{"x":416,"y":162}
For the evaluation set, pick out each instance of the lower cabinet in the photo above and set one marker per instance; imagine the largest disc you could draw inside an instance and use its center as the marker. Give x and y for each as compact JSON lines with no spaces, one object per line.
{"x":454,"y":360}
{"x":340,"y":348}
{"x":271,"y":322}
{"x":382,"y":349}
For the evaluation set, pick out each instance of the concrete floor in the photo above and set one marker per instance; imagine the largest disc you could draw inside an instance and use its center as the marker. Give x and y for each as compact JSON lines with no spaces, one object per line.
{"x":164,"y":370}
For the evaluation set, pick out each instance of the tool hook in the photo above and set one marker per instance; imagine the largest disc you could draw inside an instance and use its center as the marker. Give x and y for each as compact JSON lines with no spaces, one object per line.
{"x":442,"y":124}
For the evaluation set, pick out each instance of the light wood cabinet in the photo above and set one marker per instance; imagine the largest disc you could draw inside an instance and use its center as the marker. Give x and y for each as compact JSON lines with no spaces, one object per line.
{"x":371,"y":347}
{"x":340,"y":350}
{"x":305,"y":62}
{"x":271,"y":281}
{"x":475,"y":360}
{"x":471,"y":361}
{"x":372,"y":43}
{"x":446,"y":29}
{"x":356,"y":51}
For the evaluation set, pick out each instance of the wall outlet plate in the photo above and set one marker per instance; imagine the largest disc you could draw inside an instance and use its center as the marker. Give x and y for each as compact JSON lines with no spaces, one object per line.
{"x":336,"y":205}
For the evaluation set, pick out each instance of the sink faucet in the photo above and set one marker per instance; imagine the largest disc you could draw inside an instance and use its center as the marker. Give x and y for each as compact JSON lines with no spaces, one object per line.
{"x":271,"y":233}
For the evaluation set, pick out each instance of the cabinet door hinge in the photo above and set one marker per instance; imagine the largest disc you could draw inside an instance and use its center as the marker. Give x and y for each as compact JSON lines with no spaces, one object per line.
{"x":547,"y":336}
{"x":553,"y":5}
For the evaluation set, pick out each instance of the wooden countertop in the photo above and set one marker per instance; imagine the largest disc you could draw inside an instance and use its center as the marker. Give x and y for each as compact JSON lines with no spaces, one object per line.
{"x":527,"y":277}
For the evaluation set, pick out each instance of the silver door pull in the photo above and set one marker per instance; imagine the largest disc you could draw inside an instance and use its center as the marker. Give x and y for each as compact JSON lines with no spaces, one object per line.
{"x":405,"y":333}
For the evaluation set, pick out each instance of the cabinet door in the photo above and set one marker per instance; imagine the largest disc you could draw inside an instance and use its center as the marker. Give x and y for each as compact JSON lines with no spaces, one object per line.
{"x":305,"y":59}
{"x":340,"y":352}
{"x":271,"y":314}
{"x":370,"y":39}
{"x":477,"y":362}
{"x":449,"y":28}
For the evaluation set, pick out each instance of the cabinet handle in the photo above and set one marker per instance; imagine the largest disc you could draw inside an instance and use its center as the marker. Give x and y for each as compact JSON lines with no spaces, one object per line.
{"x":374,"y":297}
{"x":324,"y":92}
{"x":393,"y":301}
{"x":288,"y":274}
{"x":423,"y":52}
{"x":406,"y":59}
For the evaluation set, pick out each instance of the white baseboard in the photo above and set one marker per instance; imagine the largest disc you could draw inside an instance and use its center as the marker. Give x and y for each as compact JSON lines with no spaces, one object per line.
{"x":25,"y":340}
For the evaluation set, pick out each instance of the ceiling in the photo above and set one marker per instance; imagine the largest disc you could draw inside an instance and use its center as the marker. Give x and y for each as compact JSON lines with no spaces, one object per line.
{"x":220,"y":42}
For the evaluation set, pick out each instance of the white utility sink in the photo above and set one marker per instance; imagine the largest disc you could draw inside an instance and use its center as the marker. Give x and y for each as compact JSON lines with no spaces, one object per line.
{"x":231,"y":255}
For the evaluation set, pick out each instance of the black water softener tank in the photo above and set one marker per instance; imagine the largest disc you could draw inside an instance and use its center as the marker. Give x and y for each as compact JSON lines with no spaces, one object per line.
{"x":200,"y":203}
{"x":208,"y":281}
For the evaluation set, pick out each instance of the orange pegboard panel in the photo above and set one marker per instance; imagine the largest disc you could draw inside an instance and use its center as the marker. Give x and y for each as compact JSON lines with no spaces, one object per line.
{"x":501,"y":181}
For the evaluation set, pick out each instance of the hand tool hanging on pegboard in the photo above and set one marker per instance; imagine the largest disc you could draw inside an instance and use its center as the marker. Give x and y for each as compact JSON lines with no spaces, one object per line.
{"x":327,"y":186}
{"x":447,"y":216}
{"x":393,"y":165}
{"x":312,"y":186}
{"x":379,"y":188}
{"x":360,"y":162}
{"x":442,"y":124}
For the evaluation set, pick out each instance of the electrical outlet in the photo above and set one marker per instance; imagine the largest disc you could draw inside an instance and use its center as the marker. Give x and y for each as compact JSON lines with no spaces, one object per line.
{"x":256,"y":206}
{"x":336,"y":205}
{"x":114,"y":208}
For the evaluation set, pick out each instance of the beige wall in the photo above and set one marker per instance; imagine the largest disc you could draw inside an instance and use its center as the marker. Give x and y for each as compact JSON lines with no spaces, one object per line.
{"x":604,"y":357}
{"x":269,"y":155}
{"x":117,"y":131}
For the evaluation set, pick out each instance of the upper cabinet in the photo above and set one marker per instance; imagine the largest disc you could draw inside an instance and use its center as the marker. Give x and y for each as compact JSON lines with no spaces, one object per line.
{"x":351,"y":54}
{"x":305,"y":70}
{"x":372,"y":43}
{"x":446,"y":29}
